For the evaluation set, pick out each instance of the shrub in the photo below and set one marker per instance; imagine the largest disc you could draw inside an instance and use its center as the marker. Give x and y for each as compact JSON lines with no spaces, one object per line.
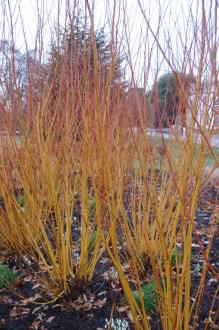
{"x":7,"y":277}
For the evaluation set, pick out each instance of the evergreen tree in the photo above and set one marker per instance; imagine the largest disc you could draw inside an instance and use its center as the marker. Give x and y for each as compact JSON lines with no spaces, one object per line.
{"x":80,"y":55}
{"x":171,"y":90}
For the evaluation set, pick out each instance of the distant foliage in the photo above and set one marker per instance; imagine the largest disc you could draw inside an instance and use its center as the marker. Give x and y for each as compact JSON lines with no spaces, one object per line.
{"x":167,"y":97}
{"x":172,"y":89}
{"x":83,"y":57}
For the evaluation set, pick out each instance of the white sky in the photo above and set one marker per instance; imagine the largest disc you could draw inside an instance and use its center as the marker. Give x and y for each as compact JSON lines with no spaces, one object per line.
{"x":27,"y":12}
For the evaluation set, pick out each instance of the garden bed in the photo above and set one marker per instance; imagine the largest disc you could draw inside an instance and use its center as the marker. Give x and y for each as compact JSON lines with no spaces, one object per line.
{"x":101,"y":303}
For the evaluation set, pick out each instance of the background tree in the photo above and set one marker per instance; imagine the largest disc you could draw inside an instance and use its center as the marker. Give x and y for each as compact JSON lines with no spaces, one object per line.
{"x":80,"y":55}
{"x":172,"y":91}
{"x":84,"y":65}
{"x":13,"y":71}
{"x":22,"y":79}
{"x":13,"y":82}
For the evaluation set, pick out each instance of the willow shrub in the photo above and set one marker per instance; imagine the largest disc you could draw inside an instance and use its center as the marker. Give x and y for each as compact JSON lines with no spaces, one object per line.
{"x":81,"y":180}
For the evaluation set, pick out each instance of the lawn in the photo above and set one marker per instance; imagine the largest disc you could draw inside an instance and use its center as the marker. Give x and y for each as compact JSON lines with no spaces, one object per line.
{"x":175,"y":148}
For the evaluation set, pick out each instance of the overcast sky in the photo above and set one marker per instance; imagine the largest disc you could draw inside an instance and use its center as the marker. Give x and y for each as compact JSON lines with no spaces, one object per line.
{"x":173,"y":15}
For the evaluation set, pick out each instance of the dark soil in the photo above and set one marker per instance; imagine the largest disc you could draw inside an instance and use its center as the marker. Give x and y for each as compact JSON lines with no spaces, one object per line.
{"x":21,"y":308}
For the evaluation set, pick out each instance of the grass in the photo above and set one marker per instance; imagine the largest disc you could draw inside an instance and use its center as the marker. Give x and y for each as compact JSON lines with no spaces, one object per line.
{"x":174,"y":149}
{"x":210,"y":161}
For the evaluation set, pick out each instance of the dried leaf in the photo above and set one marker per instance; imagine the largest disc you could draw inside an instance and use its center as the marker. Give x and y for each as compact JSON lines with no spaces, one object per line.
{"x":56,"y":305}
{"x":87,"y":306}
{"x":129,"y":314}
{"x":79,"y":300}
{"x":41,"y":316}
{"x":36,"y":310}
{"x":104,"y":260}
{"x":30,"y":300}
{"x":34,"y":325}
{"x":13,"y":312}
{"x":37,"y":285}
{"x":121,"y":309}
{"x":102,"y":293}
{"x":100,"y":303}
{"x":2,"y":322}
{"x":25,"y":311}
{"x":5,"y":300}
{"x":78,"y":307}
{"x":50,"y":319}
{"x":28,"y":278}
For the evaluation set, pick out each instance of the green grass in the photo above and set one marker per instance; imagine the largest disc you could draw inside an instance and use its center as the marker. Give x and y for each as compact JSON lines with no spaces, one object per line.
{"x":175,"y":148}
{"x":175,"y":151}
{"x":210,"y":159}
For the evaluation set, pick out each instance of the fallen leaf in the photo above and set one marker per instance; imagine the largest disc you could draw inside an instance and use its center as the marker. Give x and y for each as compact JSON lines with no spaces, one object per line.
{"x":28,"y":278}
{"x":34,"y":325}
{"x":102,"y":293}
{"x":5,"y":300}
{"x":50,"y":319}
{"x":56,"y":305}
{"x":121,"y":309}
{"x":36,"y":310}
{"x":25,"y":311}
{"x":2,"y":322}
{"x":79,"y":300}
{"x":100,"y":303}
{"x":41,"y":316}
{"x":129,"y":314}
{"x":13,"y":312}
{"x":37,"y":285}
{"x":104,"y":260}
{"x":80,"y":307}
{"x":30,"y":300}
{"x":87,"y":306}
